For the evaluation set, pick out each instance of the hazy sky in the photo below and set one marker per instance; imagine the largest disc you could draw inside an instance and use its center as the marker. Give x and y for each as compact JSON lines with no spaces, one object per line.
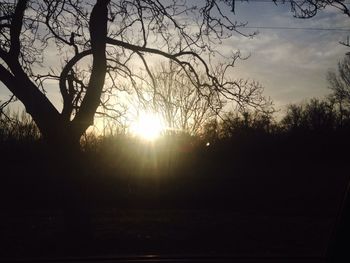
{"x":290,"y":63}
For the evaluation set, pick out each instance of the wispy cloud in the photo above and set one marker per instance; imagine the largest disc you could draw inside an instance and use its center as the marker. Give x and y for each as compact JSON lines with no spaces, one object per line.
{"x":291,"y":64}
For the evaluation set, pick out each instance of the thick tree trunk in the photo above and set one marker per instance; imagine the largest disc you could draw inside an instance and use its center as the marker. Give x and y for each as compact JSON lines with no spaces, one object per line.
{"x":70,"y":182}
{"x":68,"y":164}
{"x":98,"y":33}
{"x":61,"y":135}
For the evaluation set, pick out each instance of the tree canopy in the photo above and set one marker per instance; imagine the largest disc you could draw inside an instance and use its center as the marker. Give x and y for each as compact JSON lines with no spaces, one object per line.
{"x":89,"y":48}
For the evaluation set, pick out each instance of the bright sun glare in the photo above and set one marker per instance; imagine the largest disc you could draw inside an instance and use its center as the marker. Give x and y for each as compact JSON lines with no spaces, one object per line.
{"x":147,"y":126}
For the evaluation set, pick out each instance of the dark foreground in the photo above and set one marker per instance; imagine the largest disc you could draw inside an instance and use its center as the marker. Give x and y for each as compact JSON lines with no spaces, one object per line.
{"x":175,"y":234}
{"x":271,"y":199}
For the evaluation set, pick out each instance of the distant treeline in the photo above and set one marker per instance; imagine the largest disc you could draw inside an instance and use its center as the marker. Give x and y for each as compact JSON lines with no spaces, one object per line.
{"x":313,"y":116}
{"x":246,"y":161}
{"x":329,"y":114}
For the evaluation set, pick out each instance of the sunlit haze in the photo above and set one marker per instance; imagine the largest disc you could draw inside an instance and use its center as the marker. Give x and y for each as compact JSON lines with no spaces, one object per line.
{"x":147,"y":126}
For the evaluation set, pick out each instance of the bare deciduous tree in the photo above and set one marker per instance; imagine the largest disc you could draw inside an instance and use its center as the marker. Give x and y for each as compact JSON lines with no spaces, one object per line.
{"x":339,"y":84}
{"x":309,"y":8}
{"x":99,"y":43}
{"x":314,"y":116}
{"x":181,"y":105}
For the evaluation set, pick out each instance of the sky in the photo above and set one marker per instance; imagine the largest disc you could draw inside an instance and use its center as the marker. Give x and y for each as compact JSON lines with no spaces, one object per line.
{"x":291,"y":64}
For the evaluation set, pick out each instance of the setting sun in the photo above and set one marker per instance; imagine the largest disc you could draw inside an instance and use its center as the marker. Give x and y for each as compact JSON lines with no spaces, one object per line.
{"x":147,"y":126}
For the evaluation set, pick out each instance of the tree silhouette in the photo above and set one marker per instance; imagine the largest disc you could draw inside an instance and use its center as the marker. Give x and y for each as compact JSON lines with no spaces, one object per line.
{"x":98,"y":47}
{"x":246,"y":123}
{"x":339,"y":84}
{"x":184,"y":108}
{"x":314,"y":116}
{"x":310,"y":8}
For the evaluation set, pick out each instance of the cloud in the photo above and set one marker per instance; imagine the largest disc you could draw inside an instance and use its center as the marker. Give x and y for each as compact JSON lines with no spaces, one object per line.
{"x":291,"y":64}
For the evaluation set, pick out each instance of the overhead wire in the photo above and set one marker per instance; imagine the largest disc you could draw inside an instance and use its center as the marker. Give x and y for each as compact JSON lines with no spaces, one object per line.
{"x":276,"y":2}
{"x":299,"y":28}
{"x":290,"y":28}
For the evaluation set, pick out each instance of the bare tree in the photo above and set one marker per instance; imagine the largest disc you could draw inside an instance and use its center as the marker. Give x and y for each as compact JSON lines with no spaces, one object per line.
{"x":313,"y":116}
{"x":237,"y":123}
{"x":339,"y":84}
{"x":179,"y":102}
{"x":309,"y":8}
{"x":98,"y":44}
{"x":184,"y":108}
{"x":18,"y":126}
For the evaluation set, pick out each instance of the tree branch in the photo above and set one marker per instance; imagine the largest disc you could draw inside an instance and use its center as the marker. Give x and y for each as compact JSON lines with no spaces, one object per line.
{"x":16,"y":26}
{"x":67,"y":97}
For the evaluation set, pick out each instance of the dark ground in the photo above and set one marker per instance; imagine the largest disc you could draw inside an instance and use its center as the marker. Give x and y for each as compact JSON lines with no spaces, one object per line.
{"x":271,"y":197}
{"x":33,"y":234}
